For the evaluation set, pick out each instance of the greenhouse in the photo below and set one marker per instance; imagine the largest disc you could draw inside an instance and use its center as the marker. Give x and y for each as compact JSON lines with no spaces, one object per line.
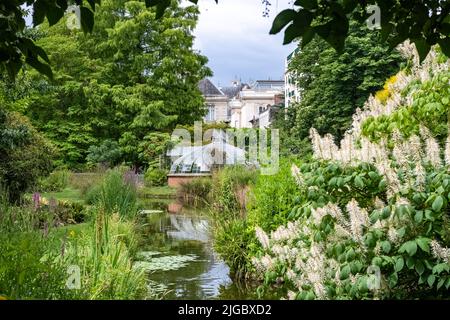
{"x":202,"y":159}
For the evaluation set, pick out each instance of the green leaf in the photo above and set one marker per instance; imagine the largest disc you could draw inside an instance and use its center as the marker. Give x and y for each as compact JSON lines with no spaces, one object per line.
{"x":420,"y":268}
{"x":307,"y":4}
{"x":438,"y":203}
{"x":345,"y":272}
{"x":386,"y":246}
{"x":445,"y":46}
{"x":87,"y":19}
{"x":431,"y":280}
{"x":423,"y":48}
{"x":359,"y":182}
{"x":54,"y":15}
{"x":399,"y":264}
{"x":39,"y":66}
{"x":290,"y":34}
{"x":282,"y":20}
{"x":424,"y":244}
{"x":410,"y":247}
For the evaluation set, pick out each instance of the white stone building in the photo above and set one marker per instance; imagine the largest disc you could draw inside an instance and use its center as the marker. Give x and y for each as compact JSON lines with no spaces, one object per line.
{"x":243,"y":105}
{"x":292,"y":92}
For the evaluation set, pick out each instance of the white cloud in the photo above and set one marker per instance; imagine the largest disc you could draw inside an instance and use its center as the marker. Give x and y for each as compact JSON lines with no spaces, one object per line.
{"x":234,"y":35}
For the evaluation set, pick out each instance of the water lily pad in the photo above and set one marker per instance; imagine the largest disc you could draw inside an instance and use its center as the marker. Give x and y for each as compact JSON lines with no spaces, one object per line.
{"x":147,"y":255}
{"x":167,"y":263}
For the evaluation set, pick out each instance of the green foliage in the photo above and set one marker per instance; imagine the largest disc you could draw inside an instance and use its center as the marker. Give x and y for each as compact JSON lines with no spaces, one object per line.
{"x":106,"y":154}
{"x":155,"y":177}
{"x":25,"y":155}
{"x":399,"y":21}
{"x":57,"y":181}
{"x":230,"y":188}
{"x":116,"y":195}
{"x":104,"y":254}
{"x":231,"y":242}
{"x":196,"y":191}
{"x":18,"y":47}
{"x":334,"y":86}
{"x":431,"y":104}
{"x":35,"y":256}
{"x":113,"y":86}
{"x":272,"y":199}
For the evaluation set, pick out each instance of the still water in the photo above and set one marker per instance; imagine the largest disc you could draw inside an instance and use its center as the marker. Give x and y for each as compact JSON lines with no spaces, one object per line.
{"x":177,"y":253}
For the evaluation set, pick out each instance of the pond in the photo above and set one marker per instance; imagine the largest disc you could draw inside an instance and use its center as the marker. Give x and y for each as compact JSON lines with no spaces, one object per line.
{"x":177,"y":253}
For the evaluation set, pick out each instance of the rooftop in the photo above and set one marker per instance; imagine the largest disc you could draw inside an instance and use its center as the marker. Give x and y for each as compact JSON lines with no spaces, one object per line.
{"x":208,"y":88}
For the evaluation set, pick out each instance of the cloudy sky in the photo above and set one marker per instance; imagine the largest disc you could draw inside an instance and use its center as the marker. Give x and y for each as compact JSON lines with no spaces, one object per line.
{"x":234,"y":35}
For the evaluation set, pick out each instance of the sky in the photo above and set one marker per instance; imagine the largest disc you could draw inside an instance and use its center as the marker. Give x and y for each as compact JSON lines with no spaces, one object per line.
{"x":234,"y":36}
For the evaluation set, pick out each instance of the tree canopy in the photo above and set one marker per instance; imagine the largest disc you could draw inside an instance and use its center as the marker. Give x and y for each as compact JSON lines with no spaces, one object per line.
{"x":424,"y":22}
{"x":334,"y":85}
{"x":133,"y":75}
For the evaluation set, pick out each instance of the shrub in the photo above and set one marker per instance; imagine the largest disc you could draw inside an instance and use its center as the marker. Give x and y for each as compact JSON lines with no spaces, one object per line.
{"x":85,"y":181}
{"x":56,"y":181}
{"x":25,"y":155}
{"x":155,"y":177}
{"x":104,"y":255}
{"x":372,"y":218}
{"x":272,"y":199}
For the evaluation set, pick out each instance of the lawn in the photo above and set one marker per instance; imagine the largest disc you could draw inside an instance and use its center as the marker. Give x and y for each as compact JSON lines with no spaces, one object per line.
{"x":157,"y":192}
{"x":68,"y":194}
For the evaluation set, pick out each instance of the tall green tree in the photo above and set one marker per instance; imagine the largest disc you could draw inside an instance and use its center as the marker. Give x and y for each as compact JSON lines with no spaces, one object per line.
{"x":334,"y":85}
{"x":133,"y":75}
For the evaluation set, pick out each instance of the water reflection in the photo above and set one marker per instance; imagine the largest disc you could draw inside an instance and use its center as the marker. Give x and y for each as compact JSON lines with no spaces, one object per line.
{"x":177,"y":251}
{"x":178,"y":236}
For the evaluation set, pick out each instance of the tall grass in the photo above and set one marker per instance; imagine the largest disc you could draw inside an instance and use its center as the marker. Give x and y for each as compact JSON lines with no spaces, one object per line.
{"x":230,"y":187}
{"x":104,"y":257}
{"x":34,"y":258}
{"x":195,"y":192}
{"x":116,"y":193}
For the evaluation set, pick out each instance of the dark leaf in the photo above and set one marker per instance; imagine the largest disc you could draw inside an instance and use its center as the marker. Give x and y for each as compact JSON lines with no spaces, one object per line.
{"x":282,"y":20}
{"x":87,"y":19}
{"x":445,"y":46}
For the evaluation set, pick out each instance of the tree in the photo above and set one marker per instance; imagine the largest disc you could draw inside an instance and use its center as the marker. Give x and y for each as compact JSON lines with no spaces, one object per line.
{"x":425,"y":22}
{"x":334,"y":85}
{"x":131,"y":76}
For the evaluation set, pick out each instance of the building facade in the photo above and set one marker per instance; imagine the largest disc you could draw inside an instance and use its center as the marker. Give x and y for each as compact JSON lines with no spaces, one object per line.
{"x":292,"y":92}
{"x":243,"y":105}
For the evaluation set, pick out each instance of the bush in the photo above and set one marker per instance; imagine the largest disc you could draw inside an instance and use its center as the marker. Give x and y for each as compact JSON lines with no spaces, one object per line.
{"x":85,"y":181}
{"x":25,"y":155}
{"x":195,"y":191}
{"x":56,"y":181}
{"x":104,"y":255}
{"x":371,"y":220}
{"x":155,"y":177}
{"x":35,"y":258}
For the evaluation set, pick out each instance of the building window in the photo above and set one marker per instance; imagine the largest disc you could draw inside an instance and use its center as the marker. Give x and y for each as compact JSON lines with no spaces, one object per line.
{"x":211,"y":116}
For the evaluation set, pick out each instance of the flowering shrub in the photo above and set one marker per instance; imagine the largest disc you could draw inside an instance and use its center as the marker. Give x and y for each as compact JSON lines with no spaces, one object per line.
{"x":372,"y":216}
